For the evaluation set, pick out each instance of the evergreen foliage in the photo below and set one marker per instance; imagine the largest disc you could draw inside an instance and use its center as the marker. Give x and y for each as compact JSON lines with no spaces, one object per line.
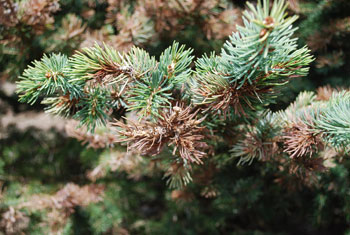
{"x":176,"y":141}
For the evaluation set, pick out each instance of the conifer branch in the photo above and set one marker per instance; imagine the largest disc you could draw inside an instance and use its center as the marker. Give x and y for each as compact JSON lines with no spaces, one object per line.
{"x":255,"y":60}
{"x":98,"y":82}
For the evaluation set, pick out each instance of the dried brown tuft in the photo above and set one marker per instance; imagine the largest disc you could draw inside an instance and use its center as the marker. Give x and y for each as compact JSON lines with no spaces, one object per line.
{"x":13,"y":222}
{"x":219,"y":26}
{"x":8,"y":13}
{"x":300,"y":140}
{"x":169,"y":17}
{"x":91,"y":37}
{"x":324,"y":93}
{"x":38,"y":13}
{"x":177,"y":127}
{"x":73,"y":27}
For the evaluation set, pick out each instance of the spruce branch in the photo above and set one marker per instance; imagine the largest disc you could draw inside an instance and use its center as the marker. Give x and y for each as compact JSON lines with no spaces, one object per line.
{"x":334,"y":121}
{"x":256,"y":59}
{"x":176,"y":105}
{"x":322,"y":116}
{"x":304,"y":130}
{"x":45,"y":77}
